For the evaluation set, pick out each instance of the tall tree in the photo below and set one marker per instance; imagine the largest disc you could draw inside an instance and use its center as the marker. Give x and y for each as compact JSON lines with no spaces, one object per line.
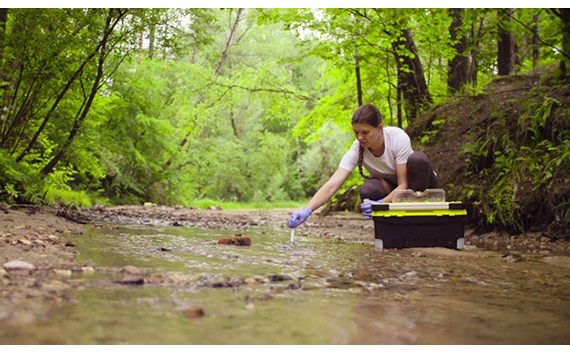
{"x":411,"y":78}
{"x":458,"y":72}
{"x":564,"y":15}
{"x":506,"y":45}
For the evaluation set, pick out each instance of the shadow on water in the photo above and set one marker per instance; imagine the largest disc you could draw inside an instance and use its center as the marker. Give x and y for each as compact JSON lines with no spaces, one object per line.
{"x":314,"y":292}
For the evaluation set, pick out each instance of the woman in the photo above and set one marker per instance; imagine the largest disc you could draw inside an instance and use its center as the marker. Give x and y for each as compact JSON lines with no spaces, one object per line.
{"x":386,"y":154}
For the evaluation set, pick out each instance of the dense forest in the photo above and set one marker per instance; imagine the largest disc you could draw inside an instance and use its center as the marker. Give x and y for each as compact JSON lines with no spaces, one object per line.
{"x":174,"y":106}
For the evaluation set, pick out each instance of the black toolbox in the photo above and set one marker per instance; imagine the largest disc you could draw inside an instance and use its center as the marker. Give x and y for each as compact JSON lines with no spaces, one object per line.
{"x":421,"y":224}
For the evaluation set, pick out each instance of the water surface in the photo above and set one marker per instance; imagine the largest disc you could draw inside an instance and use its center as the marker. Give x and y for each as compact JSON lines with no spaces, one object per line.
{"x":314,"y":292}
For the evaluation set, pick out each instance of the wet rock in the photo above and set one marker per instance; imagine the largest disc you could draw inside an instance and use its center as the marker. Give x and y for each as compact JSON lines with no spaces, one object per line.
{"x":250,"y":299}
{"x":69,"y":244}
{"x":55,"y":285}
{"x":279,"y":277}
{"x":155,"y":280}
{"x":87,"y":270}
{"x":108,"y":269}
{"x":294,"y":286}
{"x":251,"y":281}
{"x":132,"y":270}
{"x":130,"y":281}
{"x":183,"y":278}
{"x":24,"y":242}
{"x":18,"y":265}
{"x":194,"y":312}
{"x":235,"y":241}
{"x":221,"y":285}
{"x":62,"y":272}
{"x":221,"y":279}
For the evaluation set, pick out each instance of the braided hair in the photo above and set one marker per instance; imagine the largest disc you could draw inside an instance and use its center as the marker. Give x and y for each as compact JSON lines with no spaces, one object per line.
{"x":367,"y":114}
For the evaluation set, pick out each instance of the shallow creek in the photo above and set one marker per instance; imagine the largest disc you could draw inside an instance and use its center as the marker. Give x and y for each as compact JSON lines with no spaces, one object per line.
{"x":314,"y":292}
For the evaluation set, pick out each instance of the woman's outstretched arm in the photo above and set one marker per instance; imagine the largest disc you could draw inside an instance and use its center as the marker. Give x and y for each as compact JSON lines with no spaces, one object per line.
{"x":329,"y":188}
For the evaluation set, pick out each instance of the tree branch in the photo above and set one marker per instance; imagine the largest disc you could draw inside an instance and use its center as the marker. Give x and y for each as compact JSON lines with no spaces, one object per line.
{"x":535,"y":35}
{"x":250,"y":89}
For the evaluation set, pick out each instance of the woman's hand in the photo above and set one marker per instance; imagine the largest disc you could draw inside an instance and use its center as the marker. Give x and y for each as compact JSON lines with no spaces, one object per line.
{"x":299,"y":217}
{"x":366,"y":207}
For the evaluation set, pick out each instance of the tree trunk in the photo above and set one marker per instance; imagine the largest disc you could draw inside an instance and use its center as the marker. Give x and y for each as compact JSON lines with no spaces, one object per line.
{"x":152,"y":37}
{"x":506,"y":47}
{"x":94,"y":89}
{"x":564,"y":15}
{"x":411,"y":75}
{"x":141,"y":35}
{"x":3,"y":19}
{"x":228,"y":42}
{"x":399,"y":103}
{"x":535,"y":44}
{"x":78,"y":122}
{"x":389,"y":88}
{"x":298,"y":146}
{"x":233,"y":122}
{"x":458,"y":72}
{"x":67,"y":86}
{"x":358,"y":82}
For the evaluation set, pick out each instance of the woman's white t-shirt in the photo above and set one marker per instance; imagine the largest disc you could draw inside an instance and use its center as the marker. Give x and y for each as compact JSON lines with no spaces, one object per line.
{"x":397,"y":150}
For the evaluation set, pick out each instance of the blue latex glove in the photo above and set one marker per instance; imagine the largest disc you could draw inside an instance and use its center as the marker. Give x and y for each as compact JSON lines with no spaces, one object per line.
{"x":299,"y":217}
{"x":366,"y":207}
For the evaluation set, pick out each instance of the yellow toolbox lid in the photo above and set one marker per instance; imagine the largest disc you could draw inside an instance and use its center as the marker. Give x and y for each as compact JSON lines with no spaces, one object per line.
{"x":418,"y":209}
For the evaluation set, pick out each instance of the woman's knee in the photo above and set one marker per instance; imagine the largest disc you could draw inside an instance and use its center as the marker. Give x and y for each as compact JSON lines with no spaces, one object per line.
{"x":418,"y":160}
{"x":374,"y":189}
{"x":420,"y":173}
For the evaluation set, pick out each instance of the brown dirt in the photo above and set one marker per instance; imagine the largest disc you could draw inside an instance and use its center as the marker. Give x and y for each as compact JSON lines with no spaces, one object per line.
{"x":29,"y":237}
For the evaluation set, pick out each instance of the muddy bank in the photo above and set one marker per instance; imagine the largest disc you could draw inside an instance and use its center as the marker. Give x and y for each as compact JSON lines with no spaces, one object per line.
{"x":39,"y":240}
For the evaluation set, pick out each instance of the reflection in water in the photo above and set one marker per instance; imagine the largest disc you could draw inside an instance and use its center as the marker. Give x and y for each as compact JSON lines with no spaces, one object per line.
{"x":315,"y":292}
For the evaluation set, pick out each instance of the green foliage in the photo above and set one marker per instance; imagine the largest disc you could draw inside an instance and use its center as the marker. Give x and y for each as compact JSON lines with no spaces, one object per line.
{"x":18,"y":183}
{"x":68,"y":198}
{"x":266,"y":119}
{"x":521,"y":165}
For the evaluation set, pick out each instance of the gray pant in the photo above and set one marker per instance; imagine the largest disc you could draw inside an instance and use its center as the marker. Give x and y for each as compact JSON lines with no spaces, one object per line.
{"x":420,"y":177}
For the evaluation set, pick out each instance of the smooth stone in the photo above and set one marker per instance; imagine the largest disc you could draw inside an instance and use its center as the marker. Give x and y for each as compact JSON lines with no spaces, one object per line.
{"x":62,"y":272}
{"x":132,"y":270}
{"x":18,"y":265}
{"x":87,"y":270}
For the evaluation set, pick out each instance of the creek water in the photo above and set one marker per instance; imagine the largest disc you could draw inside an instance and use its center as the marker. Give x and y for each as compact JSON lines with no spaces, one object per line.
{"x":316,"y":291}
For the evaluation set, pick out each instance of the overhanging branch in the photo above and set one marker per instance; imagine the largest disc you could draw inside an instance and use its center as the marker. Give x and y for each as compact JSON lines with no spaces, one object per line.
{"x":257,"y":89}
